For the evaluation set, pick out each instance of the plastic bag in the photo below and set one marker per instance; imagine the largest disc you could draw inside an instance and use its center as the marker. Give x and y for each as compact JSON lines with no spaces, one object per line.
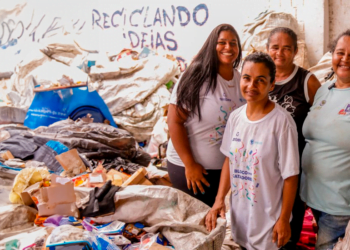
{"x":63,"y":104}
{"x":100,"y":241}
{"x":114,"y":227}
{"x":26,"y":178}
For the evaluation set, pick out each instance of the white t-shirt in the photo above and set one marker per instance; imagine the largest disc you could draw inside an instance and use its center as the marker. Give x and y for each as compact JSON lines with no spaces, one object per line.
{"x":262,"y":154}
{"x":205,"y":136}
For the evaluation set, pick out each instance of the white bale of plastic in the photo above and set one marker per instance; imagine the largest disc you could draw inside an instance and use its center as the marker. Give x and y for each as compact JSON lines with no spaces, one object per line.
{"x":15,"y":219}
{"x":132,"y":88}
{"x":107,"y":70}
{"x":178,"y":216}
{"x":63,"y":49}
{"x":53,"y":72}
{"x":140,"y":119}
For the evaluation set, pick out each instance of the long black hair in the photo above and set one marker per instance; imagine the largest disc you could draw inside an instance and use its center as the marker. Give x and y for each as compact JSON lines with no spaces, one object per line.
{"x":204,"y":67}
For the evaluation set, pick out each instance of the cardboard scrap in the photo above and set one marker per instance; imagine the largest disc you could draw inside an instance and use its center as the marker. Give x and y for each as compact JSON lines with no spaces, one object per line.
{"x":71,"y":162}
{"x":7,"y":155}
{"x":27,"y":193}
{"x":59,"y":198}
{"x":138,"y":178}
{"x":117,"y":178}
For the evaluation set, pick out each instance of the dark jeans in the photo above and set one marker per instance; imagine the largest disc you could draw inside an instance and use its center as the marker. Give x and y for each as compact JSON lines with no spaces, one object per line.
{"x":330,"y":228}
{"x":178,"y":179}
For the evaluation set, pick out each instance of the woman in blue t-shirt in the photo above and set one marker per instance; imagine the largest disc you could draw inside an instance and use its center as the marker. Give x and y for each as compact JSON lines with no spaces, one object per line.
{"x":325,"y":181}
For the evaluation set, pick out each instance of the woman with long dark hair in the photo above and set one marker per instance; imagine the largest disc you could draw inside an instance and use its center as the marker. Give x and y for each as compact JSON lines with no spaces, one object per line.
{"x":201,"y":103}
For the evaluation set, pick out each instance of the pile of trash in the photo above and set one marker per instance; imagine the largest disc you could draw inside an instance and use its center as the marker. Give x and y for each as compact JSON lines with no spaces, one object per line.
{"x":107,"y":217}
{"x":91,"y":185}
{"x":133,"y":85}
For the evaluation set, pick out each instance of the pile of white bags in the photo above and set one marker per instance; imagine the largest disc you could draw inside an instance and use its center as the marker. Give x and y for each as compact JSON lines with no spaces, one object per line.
{"x":127,"y":83}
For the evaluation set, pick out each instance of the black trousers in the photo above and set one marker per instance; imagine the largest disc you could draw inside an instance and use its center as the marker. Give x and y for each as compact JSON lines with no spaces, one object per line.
{"x":298,"y":213}
{"x":178,"y":179}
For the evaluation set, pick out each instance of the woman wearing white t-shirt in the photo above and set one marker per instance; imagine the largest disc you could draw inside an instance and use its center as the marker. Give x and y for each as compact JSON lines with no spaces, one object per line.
{"x":262,"y":163}
{"x":201,"y":103}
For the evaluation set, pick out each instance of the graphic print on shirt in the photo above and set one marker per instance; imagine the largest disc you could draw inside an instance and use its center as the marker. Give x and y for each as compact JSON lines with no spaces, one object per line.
{"x":321,"y":104}
{"x":345,"y":111}
{"x":287,"y":103}
{"x":244,"y":161}
{"x":217,"y":132}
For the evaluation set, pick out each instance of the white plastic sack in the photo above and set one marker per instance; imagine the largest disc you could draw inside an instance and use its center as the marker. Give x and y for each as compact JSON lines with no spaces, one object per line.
{"x":52,"y":71}
{"x":63,"y":49}
{"x":178,"y":216}
{"x":159,"y":135}
{"x":134,"y":88}
{"x":10,"y":114}
{"x":140,"y":120}
{"x":323,"y":67}
{"x":107,"y":70}
{"x":257,"y":32}
{"x":48,"y":73}
{"x":15,"y":219}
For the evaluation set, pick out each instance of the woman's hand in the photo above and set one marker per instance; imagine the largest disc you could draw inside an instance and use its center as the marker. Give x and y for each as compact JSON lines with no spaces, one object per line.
{"x":194,"y":176}
{"x":281,"y":232}
{"x":217,"y":209}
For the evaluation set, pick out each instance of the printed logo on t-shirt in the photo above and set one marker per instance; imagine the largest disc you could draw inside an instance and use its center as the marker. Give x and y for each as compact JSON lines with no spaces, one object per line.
{"x":236,"y":138}
{"x":224,"y":98}
{"x":218,"y":130}
{"x":321,"y":104}
{"x":244,"y":161}
{"x":252,"y":142}
{"x":345,"y":111}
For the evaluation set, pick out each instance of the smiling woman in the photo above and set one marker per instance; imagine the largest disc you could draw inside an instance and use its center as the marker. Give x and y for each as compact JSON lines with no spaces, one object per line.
{"x":325,"y":179}
{"x":201,"y":103}
{"x":261,"y":165}
{"x":294,"y":91}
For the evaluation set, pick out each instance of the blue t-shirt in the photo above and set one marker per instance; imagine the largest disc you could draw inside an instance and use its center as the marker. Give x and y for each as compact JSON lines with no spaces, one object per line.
{"x":325,"y":181}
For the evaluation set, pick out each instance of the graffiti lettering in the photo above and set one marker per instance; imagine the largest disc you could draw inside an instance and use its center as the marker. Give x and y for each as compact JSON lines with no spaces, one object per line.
{"x":133,"y":13}
{"x":120,"y":13}
{"x":165,"y":16}
{"x":182,"y":9}
{"x":52,"y":27}
{"x":10,"y":31}
{"x":183,"y":17}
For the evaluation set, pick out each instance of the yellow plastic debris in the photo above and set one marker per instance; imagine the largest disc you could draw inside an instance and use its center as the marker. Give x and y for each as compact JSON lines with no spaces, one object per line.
{"x":26,"y":178}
